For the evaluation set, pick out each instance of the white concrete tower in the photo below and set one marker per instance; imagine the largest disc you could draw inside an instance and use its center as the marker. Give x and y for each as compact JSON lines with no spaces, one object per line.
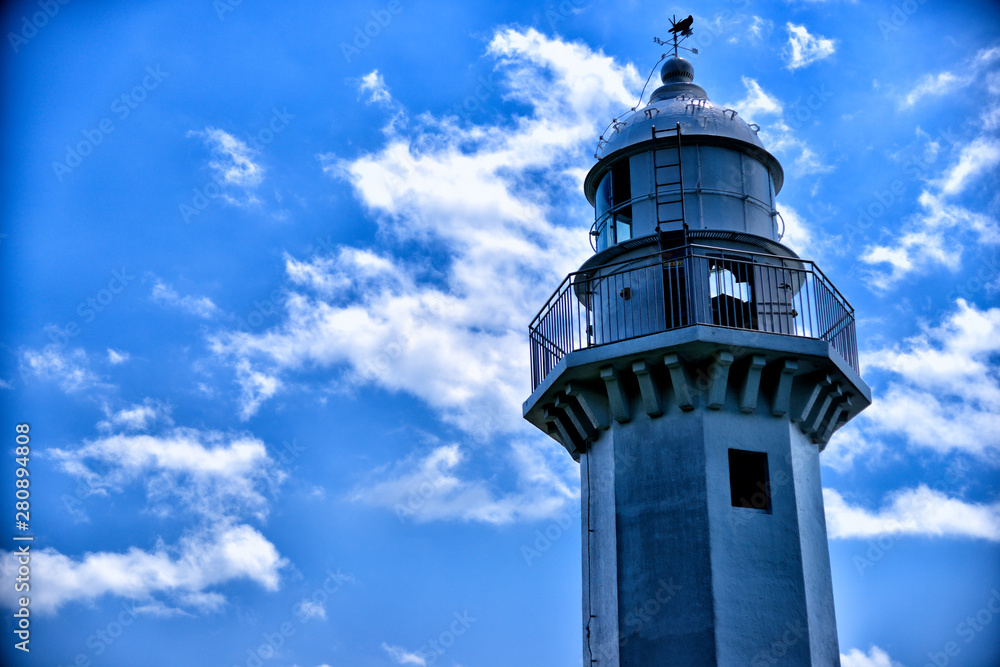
{"x":696,"y":368}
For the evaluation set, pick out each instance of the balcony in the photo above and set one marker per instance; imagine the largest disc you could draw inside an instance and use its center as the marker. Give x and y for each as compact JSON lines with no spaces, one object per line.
{"x":686,"y":286}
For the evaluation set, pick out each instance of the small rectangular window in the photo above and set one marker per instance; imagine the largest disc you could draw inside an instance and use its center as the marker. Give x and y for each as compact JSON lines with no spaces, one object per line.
{"x":748,"y":480}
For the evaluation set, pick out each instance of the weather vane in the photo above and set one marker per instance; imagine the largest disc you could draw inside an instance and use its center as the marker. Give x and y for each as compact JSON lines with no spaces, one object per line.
{"x":682,"y":28}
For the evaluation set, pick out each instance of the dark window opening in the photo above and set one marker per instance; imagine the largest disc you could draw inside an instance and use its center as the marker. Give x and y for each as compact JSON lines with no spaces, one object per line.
{"x":748,"y":480}
{"x":612,"y":211}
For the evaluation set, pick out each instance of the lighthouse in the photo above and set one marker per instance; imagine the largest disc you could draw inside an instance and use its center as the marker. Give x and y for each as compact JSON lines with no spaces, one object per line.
{"x":696,"y":368}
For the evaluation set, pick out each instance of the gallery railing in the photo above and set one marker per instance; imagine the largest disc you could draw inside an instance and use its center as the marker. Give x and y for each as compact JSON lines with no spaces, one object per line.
{"x":690,"y":285}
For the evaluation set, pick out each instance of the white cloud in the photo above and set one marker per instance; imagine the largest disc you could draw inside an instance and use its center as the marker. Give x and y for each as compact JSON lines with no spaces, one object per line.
{"x":931,"y":84}
{"x":974,"y":160}
{"x":491,"y":202}
{"x":180,"y":573}
{"x":779,"y":137}
{"x":757,"y":102}
{"x":759,"y":28}
{"x":70,"y":370}
{"x":942,"y":392}
{"x":797,"y":235}
{"x":136,"y":417}
{"x":255,"y":388}
{"x":232,"y":160}
{"x":403,"y":657}
{"x":930,"y":239}
{"x":875,"y":657}
{"x":947,"y":82}
{"x":428,"y":488}
{"x":209,"y":474}
{"x":920,"y":511}
{"x":805,"y":49}
{"x":201,"y":306}
{"x":115,"y":357}
{"x":374,"y":85}
{"x":308,"y":609}
{"x":936,"y":235}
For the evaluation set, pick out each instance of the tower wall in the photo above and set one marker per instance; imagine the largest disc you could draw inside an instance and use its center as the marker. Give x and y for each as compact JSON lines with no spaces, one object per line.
{"x":673,"y":573}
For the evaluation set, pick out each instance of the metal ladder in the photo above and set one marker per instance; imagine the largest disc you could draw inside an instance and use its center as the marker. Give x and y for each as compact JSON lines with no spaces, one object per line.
{"x":668,"y":177}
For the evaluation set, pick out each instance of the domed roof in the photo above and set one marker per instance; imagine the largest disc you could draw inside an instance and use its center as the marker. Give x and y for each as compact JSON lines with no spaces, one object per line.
{"x":678,"y":100}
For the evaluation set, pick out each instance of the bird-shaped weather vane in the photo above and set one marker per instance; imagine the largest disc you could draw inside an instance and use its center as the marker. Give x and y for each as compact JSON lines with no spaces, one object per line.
{"x":681,"y":29}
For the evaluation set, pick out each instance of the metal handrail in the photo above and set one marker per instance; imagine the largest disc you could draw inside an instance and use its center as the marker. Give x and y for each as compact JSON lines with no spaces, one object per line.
{"x":684,"y":286}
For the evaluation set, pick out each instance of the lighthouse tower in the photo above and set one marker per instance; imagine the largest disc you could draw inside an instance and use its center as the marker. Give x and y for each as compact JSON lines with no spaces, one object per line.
{"x":696,"y":367}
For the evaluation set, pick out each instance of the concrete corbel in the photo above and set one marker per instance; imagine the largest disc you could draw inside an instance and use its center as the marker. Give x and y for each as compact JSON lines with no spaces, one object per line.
{"x":843,"y":407}
{"x":594,"y":405}
{"x":751,"y":384}
{"x":576,"y":417}
{"x":819,"y":387}
{"x":551,"y":416}
{"x":720,"y":380}
{"x":616,"y":395}
{"x":679,"y":380}
{"x":782,"y":400}
{"x":648,"y":388}
{"x":835,"y":393}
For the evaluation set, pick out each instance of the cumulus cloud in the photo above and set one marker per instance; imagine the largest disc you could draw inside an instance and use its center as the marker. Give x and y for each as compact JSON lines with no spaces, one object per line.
{"x":974,"y":160}
{"x":875,"y":657}
{"x":942,"y":392}
{"x":428,"y":488}
{"x":180,"y":574}
{"x":489,"y":201}
{"x":920,"y":511}
{"x":308,"y":609}
{"x":69,"y":369}
{"x":804,"y":48}
{"x":137,"y":417}
{"x":777,"y":134}
{"x":757,"y":103}
{"x":942,"y":83}
{"x":936,"y":235}
{"x":232,"y":158}
{"x":255,"y":388}
{"x":401,"y":656}
{"x":373,"y":86}
{"x":166,"y":295}
{"x":211,"y":475}
{"x":930,"y":239}
{"x":116,"y":357}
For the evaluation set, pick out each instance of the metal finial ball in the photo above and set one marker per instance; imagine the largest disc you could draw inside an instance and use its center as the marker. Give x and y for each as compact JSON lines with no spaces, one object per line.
{"x":677,"y":70}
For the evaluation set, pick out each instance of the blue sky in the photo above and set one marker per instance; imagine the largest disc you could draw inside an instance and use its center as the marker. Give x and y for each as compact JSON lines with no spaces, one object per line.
{"x":267,"y":281}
